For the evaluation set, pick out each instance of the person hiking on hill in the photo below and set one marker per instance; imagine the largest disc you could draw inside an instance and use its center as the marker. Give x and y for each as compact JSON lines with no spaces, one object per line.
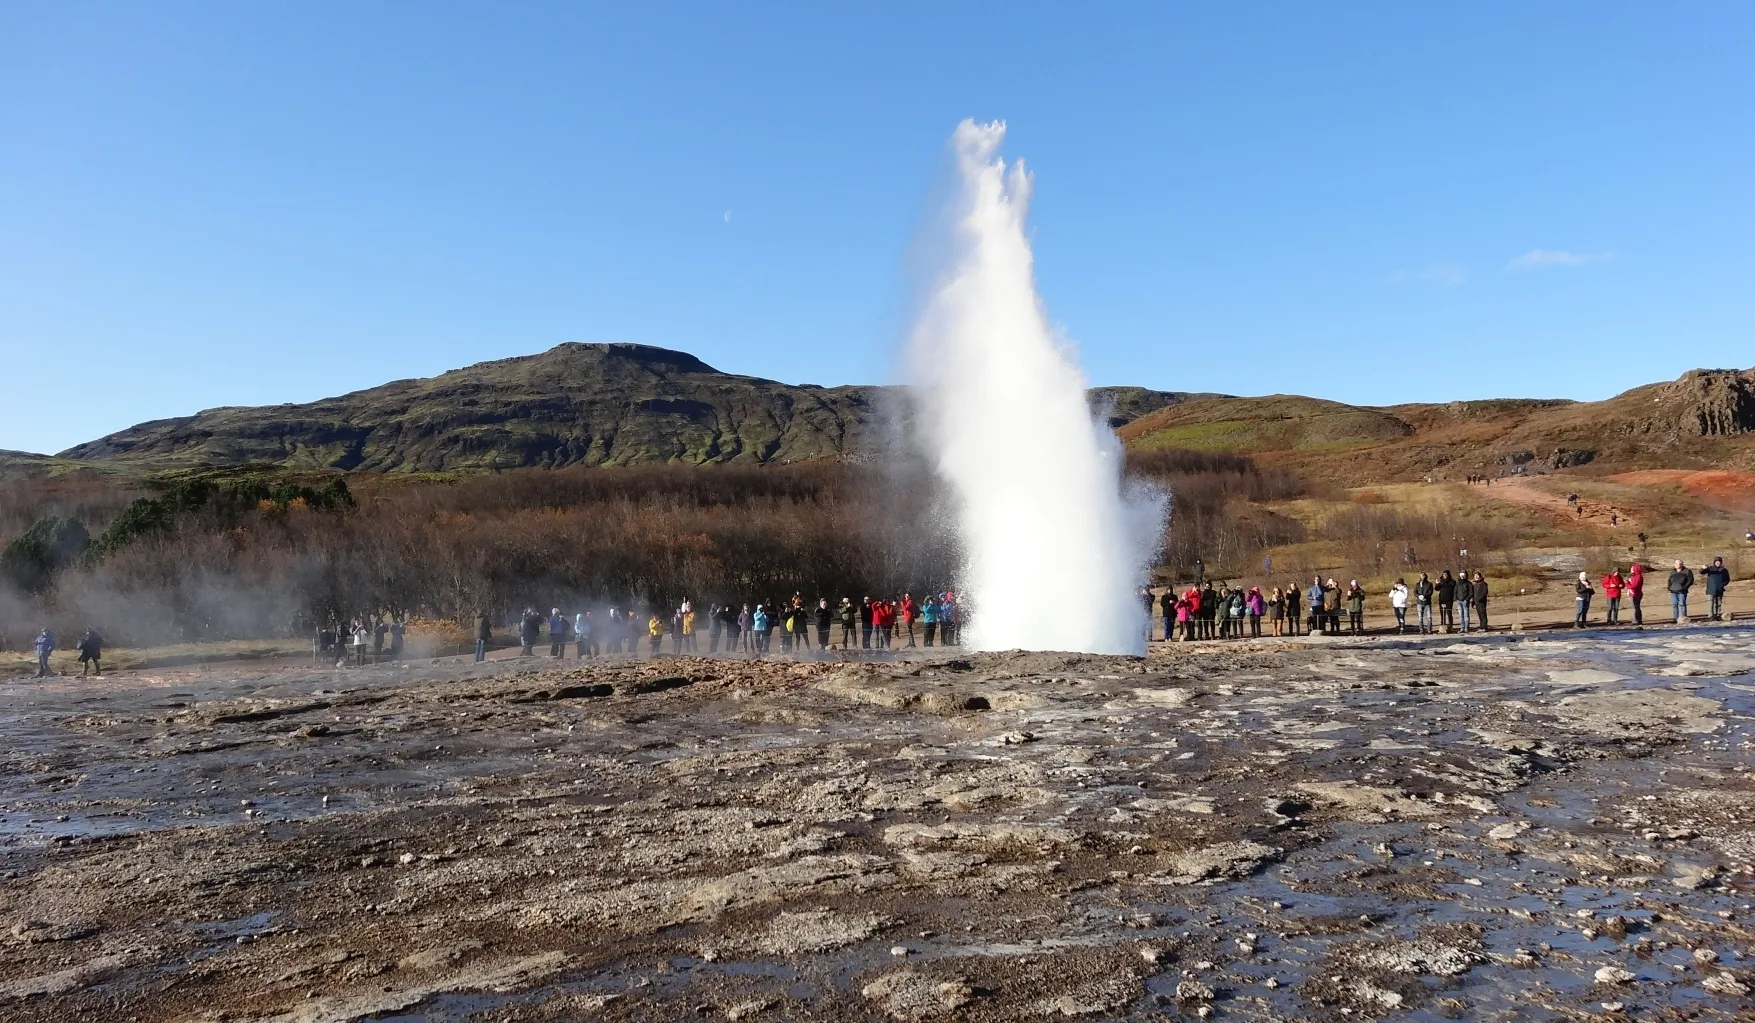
{"x":1612,"y":587}
{"x":1480,"y":593}
{"x":91,"y":652}
{"x":1465,"y":599}
{"x":1680,"y":582}
{"x":1445,"y":592}
{"x":1584,"y":591}
{"x":1314,"y":598}
{"x":1355,"y":597}
{"x":484,"y":631}
{"x":557,"y":632}
{"x":1636,"y":591}
{"x":1166,"y":605}
{"x":44,"y":645}
{"x":1398,"y":602}
{"x":1423,"y":591}
{"x":1718,"y":578}
{"x":1293,"y":598}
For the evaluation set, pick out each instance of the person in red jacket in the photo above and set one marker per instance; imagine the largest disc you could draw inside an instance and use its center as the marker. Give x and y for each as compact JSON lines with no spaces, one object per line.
{"x":1612,"y":586}
{"x":909,"y":611}
{"x":1635,"y":590}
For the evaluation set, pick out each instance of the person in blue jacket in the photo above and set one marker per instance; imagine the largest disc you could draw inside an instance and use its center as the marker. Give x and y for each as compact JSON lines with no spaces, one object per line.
{"x":45,"y":645}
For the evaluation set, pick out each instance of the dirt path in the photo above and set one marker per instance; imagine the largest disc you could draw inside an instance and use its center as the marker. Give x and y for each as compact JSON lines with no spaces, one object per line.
{"x":1596,"y":513}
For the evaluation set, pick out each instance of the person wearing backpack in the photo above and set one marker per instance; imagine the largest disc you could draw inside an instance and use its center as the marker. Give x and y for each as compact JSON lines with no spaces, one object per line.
{"x":1680,"y":582}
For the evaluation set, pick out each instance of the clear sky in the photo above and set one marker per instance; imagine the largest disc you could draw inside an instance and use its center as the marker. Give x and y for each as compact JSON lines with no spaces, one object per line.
{"x":245,"y":203}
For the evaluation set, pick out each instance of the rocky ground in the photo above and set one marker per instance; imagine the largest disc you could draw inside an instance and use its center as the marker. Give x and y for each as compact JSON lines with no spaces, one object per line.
{"x":1522,"y":828}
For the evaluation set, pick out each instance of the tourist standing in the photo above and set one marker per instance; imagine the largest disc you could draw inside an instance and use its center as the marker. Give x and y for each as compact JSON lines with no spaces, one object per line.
{"x":1292,"y":608}
{"x":1446,"y":594}
{"x":910,"y":611}
{"x":1636,"y":591}
{"x":1277,"y":611}
{"x":91,"y":652}
{"x":1584,"y":591}
{"x":361,"y":637}
{"x":1480,"y":589}
{"x":1423,"y":602}
{"x":44,"y":646}
{"x":484,"y":631}
{"x":1167,"y":605}
{"x":1331,"y":604}
{"x":928,"y":619}
{"x":1398,"y":603}
{"x":1256,"y":605}
{"x":1465,"y":599}
{"x":826,"y":618}
{"x":1680,"y":582}
{"x":582,"y":639}
{"x":654,"y":634}
{"x":1313,"y":597}
{"x":1612,"y":585}
{"x":1718,"y":579}
{"x":557,"y":632}
{"x":1355,"y":608}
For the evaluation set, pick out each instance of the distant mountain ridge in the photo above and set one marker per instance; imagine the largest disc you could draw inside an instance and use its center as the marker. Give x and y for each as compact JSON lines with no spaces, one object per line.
{"x":575,"y":404}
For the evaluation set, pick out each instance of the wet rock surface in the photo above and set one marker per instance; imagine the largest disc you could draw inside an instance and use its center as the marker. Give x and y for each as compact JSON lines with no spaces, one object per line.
{"x":1533,"y":829}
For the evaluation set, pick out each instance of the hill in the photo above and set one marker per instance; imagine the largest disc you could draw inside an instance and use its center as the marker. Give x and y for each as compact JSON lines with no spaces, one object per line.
{"x":1703,"y":420}
{"x":575,"y":404}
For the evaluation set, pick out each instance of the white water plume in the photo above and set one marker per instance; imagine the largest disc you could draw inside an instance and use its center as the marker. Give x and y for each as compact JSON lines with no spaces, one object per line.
{"x":1053,"y":549}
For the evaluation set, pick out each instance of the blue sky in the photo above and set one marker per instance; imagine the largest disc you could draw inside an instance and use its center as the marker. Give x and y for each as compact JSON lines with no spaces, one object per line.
{"x":220,"y":204}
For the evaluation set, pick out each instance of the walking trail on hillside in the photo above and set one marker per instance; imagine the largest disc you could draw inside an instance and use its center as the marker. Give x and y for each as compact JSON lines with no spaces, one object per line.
{"x":1516,"y":491}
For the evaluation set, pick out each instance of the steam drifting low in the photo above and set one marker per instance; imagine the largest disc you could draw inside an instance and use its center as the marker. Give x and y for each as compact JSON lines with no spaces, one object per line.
{"x":1054,"y":548}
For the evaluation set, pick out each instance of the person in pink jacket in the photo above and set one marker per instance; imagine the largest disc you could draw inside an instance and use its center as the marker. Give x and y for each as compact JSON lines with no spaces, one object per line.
{"x":1635,"y":591}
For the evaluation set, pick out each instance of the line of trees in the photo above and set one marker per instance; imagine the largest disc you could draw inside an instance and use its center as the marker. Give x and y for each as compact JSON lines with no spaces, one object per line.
{"x":264,"y":554}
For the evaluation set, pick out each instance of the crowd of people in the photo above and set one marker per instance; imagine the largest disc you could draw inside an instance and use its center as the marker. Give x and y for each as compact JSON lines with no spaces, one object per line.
{"x":1452,"y":602}
{"x":749,"y":629}
{"x":360,"y":639}
{"x":1209,"y":611}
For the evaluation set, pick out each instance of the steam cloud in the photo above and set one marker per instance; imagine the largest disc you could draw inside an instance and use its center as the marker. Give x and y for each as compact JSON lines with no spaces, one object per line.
{"x":1053,"y":547}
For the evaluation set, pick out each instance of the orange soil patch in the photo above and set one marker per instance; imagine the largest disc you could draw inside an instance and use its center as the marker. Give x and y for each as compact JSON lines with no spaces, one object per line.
{"x":1721,"y":488}
{"x":1516,"y":491}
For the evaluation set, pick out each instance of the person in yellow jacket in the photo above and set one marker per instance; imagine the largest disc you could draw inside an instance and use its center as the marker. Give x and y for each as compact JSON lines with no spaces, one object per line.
{"x":688,"y":627}
{"x":655,"y":631}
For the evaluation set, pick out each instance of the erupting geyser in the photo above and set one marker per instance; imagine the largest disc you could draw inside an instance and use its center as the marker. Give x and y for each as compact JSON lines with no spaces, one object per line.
{"x":1054,"y":550}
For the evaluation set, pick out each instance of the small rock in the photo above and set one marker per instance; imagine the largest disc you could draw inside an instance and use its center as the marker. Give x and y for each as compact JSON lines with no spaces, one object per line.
{"x":1705,"y":955}
{"x":1724,"y":983}
{"x":1613,"y":1006}
{"x":1193,"y":991}
{"x":898,"y":950}
{"x":1270,"y":983}
{"x":406,"y":858}
{"x":1614,"y":975}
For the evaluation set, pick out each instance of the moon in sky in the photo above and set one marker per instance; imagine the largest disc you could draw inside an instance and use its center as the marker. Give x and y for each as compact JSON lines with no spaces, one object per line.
{"x":728,"y":216}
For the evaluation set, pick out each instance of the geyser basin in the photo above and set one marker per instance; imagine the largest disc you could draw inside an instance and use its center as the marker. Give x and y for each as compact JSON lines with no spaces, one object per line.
{"x":1054,"y":549}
